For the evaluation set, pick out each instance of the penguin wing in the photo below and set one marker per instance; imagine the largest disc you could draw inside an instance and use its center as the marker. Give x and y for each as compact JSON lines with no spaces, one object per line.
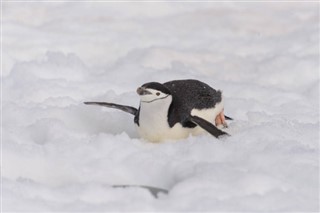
{"x":209,"y":127}
{"x":128,"y":109}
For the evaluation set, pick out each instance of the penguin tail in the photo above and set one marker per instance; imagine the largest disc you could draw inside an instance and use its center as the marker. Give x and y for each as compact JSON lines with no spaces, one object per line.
{"x":228,"y":118}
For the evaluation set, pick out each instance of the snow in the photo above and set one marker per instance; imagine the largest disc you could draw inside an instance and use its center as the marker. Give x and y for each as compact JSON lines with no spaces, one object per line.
{"x":61,"y":155}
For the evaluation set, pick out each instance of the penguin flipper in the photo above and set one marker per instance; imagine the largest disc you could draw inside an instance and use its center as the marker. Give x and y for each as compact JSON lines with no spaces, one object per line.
{"x":209,"y":127}
{"x":128,"y":109}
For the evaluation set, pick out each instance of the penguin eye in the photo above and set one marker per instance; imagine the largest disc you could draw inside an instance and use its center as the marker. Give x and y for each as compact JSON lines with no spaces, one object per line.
{"x":158,"y":93}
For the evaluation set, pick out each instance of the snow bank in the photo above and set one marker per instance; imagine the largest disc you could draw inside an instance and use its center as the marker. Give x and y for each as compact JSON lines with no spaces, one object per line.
{"x":61,"y":155}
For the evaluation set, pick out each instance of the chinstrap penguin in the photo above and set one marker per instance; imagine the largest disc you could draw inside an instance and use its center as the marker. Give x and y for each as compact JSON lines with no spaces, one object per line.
{"x":176,"y":109}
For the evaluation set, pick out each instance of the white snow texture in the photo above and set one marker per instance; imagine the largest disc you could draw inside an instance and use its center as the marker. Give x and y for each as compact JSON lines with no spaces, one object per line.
{"x":59,"y":155}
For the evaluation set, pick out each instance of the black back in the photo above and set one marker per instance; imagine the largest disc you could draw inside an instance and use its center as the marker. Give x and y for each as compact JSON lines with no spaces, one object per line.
{"x":188,"y":95}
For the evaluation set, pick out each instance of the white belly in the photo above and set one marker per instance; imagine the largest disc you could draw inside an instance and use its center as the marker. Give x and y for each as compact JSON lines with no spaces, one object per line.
{"x":153,"y":122}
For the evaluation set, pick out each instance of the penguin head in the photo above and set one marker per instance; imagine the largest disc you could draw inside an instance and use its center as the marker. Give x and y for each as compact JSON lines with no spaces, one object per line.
{"x":152,"y":92}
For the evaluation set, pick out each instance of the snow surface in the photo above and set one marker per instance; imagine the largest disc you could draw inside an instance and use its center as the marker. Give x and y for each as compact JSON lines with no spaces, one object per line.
{"x":61,"y":155}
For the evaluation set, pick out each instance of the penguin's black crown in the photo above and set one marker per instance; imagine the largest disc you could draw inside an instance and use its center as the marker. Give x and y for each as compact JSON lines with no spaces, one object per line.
{"x":157,"y":86}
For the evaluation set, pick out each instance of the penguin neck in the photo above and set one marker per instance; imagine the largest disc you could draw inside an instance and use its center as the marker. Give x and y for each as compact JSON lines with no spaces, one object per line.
{"x":153,"y":119}
{"x":156,"y":108}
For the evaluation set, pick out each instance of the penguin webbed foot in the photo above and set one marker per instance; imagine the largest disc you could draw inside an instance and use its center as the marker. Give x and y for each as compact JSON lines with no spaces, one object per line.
{"x":220,"y":120}
{"x":209,"y":127}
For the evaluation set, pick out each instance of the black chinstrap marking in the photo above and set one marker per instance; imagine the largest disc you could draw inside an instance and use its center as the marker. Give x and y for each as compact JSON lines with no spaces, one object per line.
{"x":155,"y":99}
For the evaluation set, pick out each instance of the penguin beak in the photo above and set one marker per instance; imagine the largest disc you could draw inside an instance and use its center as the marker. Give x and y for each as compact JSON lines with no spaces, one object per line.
{"x":143,"y":91}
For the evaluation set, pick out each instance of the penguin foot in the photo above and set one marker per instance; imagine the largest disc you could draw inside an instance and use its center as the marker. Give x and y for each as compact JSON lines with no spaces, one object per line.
{"x":221,"y":120}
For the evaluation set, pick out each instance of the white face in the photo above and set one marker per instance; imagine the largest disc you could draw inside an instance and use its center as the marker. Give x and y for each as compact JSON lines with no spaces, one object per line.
{"x":151,"y":95}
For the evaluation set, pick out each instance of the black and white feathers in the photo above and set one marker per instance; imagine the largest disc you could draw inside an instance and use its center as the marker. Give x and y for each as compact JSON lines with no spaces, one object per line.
{"x":176,"y":109}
